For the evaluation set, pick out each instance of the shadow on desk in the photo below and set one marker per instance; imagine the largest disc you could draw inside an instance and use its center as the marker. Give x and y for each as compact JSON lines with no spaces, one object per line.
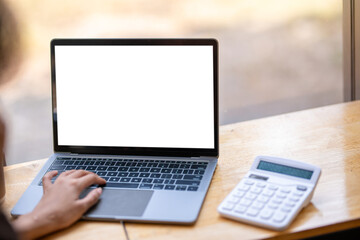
{"x":347,"y":234}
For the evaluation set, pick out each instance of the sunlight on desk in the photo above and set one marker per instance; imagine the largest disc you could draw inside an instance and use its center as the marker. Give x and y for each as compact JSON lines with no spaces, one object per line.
{"x":327,"y":137}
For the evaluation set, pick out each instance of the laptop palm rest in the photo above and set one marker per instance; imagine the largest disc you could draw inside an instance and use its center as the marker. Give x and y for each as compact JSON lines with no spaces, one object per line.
{"x":119,"y":202}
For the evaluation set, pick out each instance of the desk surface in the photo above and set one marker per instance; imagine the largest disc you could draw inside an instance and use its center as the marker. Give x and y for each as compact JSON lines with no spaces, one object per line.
{"x":327,"y":137}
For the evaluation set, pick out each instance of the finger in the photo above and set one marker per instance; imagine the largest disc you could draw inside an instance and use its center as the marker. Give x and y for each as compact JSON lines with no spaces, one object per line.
{"x":90,"y":199}
{"x":89,"y":179}
{"x":79,"y":173}
{"x":66,"y":173}
{"x":46,"y":181}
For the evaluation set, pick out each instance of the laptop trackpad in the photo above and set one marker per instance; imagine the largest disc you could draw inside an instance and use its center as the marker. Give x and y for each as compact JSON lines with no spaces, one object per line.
{"x":120,"y":202}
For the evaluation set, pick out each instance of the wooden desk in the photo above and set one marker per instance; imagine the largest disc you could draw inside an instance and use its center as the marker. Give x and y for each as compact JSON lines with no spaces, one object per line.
{"x":328,"y":137}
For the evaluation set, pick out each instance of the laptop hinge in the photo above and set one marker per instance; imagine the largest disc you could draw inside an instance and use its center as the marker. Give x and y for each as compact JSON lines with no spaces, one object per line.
{"x":74,"y":154}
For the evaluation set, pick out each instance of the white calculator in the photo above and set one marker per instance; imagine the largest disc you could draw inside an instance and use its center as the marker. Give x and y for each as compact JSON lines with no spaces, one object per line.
{"x":272,"y":193}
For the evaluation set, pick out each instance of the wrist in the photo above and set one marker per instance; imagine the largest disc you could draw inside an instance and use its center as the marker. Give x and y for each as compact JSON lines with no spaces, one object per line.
{"x":31,"y":226}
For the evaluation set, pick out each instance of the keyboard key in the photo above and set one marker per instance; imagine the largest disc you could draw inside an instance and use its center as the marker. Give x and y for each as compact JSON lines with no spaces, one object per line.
{"x":70,"y":167}
{"x":168,"y":181}
{"x":200,"y":172}
{"x":166,"y":170}
{"x":141,"y":164}
{"x":192,"y":177}
{"x":101,"y":174}
{"x":114,"y":179}
{"x":153,"y":165}
{"x":184,"y":165}
{"x":174,"y":165}
{"x":144,"y":170}
{"x":122,"y":185}
{"x":120,"y":164}
{"x":134,"y":169}
{"x":163,"y":165}
{"x":169,"y":187}
{"x":123,"y":169}
{"x":177,"y":176}
{"x":57,"y":167}
{"x":133,"y":174}
{"x":80,"y":167}
{"x":158,"y":186}
{"x":144,"y":175}
{"x":187,"y":182}
{"x":124,"y":179}
{"x":158,"y":181}
{"x":136,"y":179}
{"x":146,"y":186}
{"x":180,"y":188}
{"x":112,"y":168}
{"x":111,"y":174}
{"x":155,"y":175}
{"x":91,"y":168}
{"x":123,"y":174}
{"x":198,"y":167}
{"x":166,"y":175}
{"x":147,"y":180}
{"x":191,"y":188}
{"x":101,"y":168}
{"x":177,"y":171}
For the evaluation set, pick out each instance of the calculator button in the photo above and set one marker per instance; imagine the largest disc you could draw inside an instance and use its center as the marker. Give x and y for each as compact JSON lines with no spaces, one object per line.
{"x":294,"y":199}
{"x":273,"y":206}
{"x":250,"y":196}
{"x":249,"y":182}
{"x":257,"y":205}
{"x":285,"y":190}
{"x":266,"y":214}
{"x":228,"y":206}
{"x":277,"y":201}
{"x":273,"y":187}
{"x":263,"y":199}
{"x":279,"y":217}
{"x":289,"y":204}
{"x":243,"y":187}
{"x":261,"y":184}
{"x":252,"y":212}
{"x":285,"y":209}
{"x":245,"y":202}
{"x":256,"y":190}
{"x":281,"y":195}
{"x":298,"y":194}
{"x":268,"y":193}
{"x":301,"y":188}
{"x":233,"y":199}
{"x":240,"y":209}
{"x":239,"y":194}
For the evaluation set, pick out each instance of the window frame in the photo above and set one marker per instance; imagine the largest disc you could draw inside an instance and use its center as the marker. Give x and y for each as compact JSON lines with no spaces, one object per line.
{"x":351,"y":50}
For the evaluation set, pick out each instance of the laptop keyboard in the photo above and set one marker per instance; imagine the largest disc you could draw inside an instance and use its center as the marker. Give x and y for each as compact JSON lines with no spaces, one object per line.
{"x":138,"y":173}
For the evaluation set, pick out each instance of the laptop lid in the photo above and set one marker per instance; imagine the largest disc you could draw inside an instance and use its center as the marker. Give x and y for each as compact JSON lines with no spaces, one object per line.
{"x":143,"y":97}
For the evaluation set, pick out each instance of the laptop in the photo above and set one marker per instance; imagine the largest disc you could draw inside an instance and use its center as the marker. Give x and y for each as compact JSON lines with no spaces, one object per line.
{"x":141,"y":113}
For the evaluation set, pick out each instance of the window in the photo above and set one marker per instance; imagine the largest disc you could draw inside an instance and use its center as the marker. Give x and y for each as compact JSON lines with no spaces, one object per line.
{"x":276,"y":56}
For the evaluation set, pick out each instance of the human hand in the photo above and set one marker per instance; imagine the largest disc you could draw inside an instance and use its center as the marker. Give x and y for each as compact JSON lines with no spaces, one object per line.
{"x":60,"y":205}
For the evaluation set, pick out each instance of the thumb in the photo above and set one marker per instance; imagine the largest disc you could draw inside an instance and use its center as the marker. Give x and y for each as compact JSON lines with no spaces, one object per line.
{"x":91,"y":198}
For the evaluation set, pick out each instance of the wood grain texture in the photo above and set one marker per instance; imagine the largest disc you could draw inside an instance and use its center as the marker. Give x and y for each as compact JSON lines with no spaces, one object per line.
{"x":328,"y":137}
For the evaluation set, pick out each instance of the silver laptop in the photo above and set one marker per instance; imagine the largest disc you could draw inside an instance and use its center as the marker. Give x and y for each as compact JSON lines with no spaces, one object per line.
{"x":141,"y":113}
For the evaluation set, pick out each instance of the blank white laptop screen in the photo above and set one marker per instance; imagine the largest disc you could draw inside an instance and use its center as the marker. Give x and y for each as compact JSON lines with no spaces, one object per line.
{"x":135,"y":96}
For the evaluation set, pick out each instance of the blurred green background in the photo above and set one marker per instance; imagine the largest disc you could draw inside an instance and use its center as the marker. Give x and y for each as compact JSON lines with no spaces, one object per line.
{"x":276,"y":56}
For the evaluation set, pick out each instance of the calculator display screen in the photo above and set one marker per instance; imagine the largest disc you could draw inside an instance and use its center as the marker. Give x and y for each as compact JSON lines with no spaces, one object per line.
{"x":278,"y":168}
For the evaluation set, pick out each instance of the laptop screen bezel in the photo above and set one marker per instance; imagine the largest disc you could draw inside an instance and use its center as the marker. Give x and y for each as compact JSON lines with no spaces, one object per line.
{"x":141,"y":151}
